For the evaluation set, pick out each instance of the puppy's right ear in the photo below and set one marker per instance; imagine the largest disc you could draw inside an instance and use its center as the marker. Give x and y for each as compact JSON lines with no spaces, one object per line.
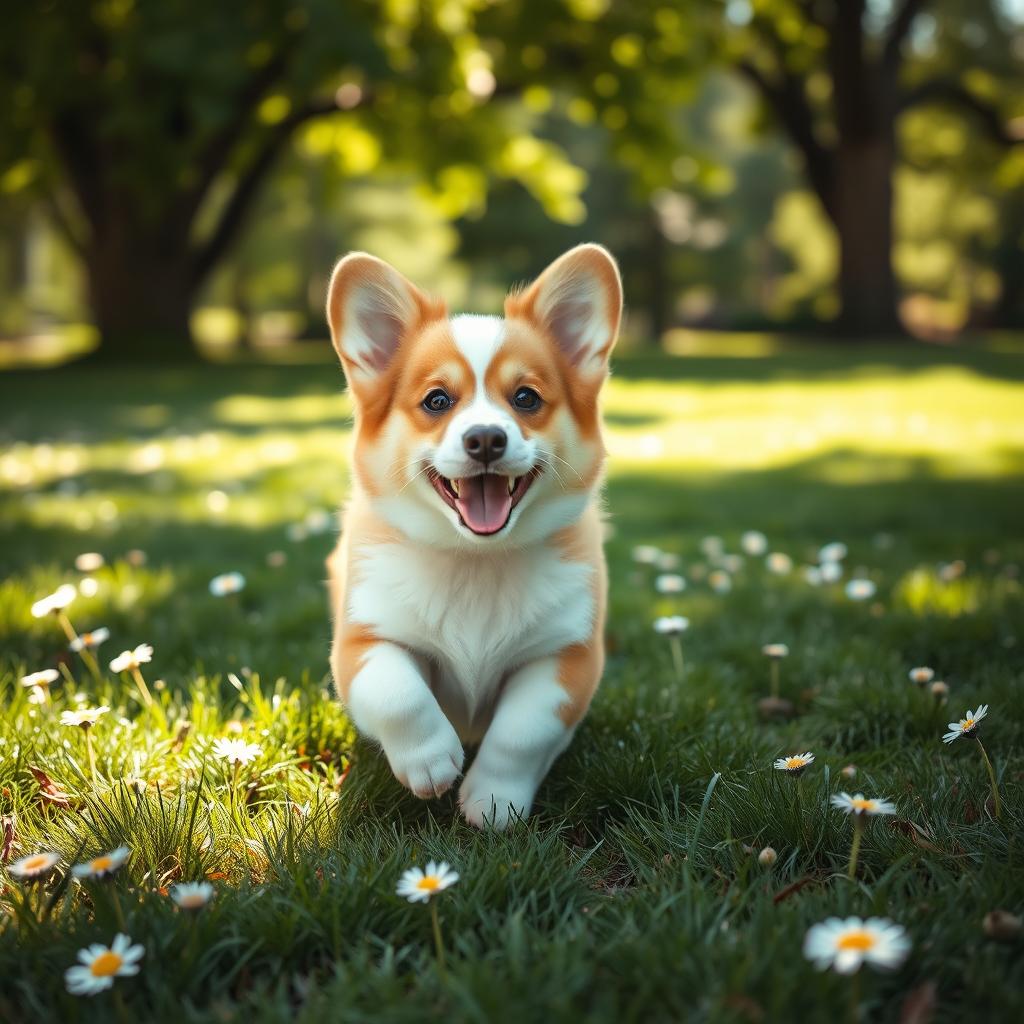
{"x":371,"y":307}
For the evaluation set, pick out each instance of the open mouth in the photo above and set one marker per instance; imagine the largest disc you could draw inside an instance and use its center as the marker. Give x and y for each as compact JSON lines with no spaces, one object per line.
{"x":483,"y":502}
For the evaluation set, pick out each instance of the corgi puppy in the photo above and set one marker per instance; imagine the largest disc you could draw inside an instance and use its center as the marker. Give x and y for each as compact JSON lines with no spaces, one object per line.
{"x":468,"y":585}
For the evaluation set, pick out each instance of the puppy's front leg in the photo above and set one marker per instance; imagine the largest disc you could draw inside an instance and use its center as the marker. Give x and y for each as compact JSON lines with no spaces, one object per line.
{"x":540,"y":706}
{"x":389,"y":700}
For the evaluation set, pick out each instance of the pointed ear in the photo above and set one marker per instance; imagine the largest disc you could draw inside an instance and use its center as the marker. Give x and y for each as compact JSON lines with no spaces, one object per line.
{"x":578,"y":301}
{"x":371,"y":307}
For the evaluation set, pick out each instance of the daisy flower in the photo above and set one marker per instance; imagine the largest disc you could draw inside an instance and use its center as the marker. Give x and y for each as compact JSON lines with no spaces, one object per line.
{"x":846,"y":944}
{"x":967,"y":725}
{"x":712,"y":547}
{"x":767,"y":857}
{"x":939,"y":690}
{"x":646,"y":554}
{"x":732,"y":563}
{"x":192,"y":895}
{"x":831,"y":572}
{"x":417,"y":885}
{"x":128,"y":661}
{"x":41,"y":678}
{"x":779,"y":563}
{"x":834,"y":552}
{"x":921,"y":675}
{"x":860,"y":589}
{"x":85,"y":718}
{"x":667,"y":561}
{"x":669,"y":625}
{"x":812,"y":574}
{"x":89,"y":561}
{"x":55,"y":602}
{"x":720,"y":581}
{"x":91,"y":640}
{"x":99,"y":965}
{"x":103,"y":865}
{"x":37,"y":695}
{"x":754,"y":542}
{"x":227,"y":583}
{"x":860,"y":805}
{"x":34,"y":866}
{"x":775,"y":651}
{"x":670,"y":583}
{"x":237,"y":751}
{"x":794,"y":764}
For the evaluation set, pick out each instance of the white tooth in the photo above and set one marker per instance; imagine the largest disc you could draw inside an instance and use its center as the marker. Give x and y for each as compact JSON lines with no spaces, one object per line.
{"x":511,"y":484}
{"x":455,"y":487}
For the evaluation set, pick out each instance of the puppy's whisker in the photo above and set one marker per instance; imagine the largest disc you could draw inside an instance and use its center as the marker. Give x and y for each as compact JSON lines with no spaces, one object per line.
{"x":552,"y":455}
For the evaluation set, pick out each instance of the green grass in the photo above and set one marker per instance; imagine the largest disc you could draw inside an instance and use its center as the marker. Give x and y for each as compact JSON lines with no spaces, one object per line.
{"x":634,"y":891}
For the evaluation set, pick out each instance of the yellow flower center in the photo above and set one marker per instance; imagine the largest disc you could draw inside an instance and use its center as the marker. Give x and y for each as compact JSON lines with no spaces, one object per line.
{"x":968,"y":723}
{"x":795,"y":762}
{"x":858,"y":940}
{"x":863,"y":805}
{"x":40,"y":860}
{"x":429,"y":883}
{"x":191,"y":901}
{"x":106,"y":964}
{"x":101,"y":864}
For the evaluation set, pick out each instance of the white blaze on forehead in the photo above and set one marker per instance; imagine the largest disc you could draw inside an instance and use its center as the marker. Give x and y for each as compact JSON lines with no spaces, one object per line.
{"x":478,"y":338}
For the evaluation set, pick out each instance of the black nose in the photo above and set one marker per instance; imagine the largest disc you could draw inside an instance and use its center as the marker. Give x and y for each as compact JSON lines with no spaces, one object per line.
{"x":485,"y":444}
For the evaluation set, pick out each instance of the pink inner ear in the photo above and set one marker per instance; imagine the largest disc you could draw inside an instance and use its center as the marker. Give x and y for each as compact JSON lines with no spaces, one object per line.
{"x":383,"y":330}
{"x":568,"y":322}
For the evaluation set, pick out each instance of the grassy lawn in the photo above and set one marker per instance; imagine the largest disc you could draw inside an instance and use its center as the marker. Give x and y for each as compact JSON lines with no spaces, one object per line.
{"x":635,"y":891}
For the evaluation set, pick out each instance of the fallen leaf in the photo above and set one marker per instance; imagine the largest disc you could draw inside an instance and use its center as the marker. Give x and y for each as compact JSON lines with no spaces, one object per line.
{"x":48,"y":789}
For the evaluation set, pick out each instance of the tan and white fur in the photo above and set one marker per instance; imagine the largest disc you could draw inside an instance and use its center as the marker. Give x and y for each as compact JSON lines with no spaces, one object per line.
{"x":468,"y":586}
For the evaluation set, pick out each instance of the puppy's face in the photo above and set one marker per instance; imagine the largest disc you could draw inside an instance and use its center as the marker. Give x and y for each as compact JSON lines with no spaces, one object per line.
{"x":477,"y":430}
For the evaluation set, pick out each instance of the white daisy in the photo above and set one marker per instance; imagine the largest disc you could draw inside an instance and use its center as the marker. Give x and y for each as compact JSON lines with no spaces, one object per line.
{"x":754,"y":542}
{"x":100,"y":965}
{"x":860,"y":589}
{"x":417,"y":885}
{"x":91,"y":640}
{"x":126,"y":661}
{"x":237,"y":751}
{"x":860,"y":804}
{"x":88,"y":587}
{"x":775,"y":651}
{"x":795,"y":763}
{"x":670,"y":583}
{"x":192,"y":895}
{"x":846,"y":944}
{"x":37,"y":695}
{"x":720,"y":581}
{"x":671,"y":625}
{"x":967,"y":725}
{"x":103,"y":865}
{"x":939,"y":690}
{"x":921,"y":675}
{"x":35,"y":865}
{"x":834,"y":552}
{"x":89,"y":561}
{"x":84,"y":717}
{"x":732,"y":563}
{"x":227,"y":583}
{"x":831,"y":572}
{"x":646,"y":554}
{"x":55,"y":602}
{"x":712,"y":547}
{"x":779,"y":563}
{"x":667,"y":561}
{"x":813,"y":575}
{"x":42,"y":678}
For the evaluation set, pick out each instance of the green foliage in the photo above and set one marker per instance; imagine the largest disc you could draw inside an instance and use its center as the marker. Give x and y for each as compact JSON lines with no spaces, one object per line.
{"x":634,"y":892}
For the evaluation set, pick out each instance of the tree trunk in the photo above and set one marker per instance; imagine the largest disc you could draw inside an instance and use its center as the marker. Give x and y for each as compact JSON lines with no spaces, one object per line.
{"x":141,"y":297}
{"x":862,"y":215}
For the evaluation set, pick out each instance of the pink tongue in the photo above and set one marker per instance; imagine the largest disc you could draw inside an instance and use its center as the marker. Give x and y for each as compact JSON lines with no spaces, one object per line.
{"x":484,"y":502}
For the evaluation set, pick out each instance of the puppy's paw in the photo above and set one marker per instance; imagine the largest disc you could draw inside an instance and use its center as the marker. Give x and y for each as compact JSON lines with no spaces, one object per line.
{"x":429,"y":768}
{"x":488,"y":802}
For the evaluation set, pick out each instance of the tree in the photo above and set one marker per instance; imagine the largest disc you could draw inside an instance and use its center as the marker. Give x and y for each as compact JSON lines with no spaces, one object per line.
{"x":837,"y":81}
{"x":148,"y":127}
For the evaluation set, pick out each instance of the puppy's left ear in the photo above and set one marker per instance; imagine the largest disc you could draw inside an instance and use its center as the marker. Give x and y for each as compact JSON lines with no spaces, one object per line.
{"x":578,"y":301}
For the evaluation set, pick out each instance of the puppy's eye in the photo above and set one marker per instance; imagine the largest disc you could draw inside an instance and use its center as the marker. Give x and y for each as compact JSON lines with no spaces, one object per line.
{"x":437,"y":400}
{"x":526,"y":399}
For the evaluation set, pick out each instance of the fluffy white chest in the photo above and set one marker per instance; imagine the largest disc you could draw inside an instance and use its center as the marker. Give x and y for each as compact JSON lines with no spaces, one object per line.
{"x":474,"y":617}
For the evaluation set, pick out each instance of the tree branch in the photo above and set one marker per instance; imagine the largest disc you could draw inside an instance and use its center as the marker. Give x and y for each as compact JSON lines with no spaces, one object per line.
{"x":899,"y":28}
{"x":948,"y":92}
{"x":788,"y":102}
{"x":208,"y":253}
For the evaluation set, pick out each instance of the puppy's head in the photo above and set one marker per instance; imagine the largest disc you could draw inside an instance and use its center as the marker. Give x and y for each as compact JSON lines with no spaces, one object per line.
{"x":476,"y":429}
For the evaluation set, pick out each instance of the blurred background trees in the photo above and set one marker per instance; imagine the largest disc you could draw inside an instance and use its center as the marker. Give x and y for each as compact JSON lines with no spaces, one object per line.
{"x":171,"y":169}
